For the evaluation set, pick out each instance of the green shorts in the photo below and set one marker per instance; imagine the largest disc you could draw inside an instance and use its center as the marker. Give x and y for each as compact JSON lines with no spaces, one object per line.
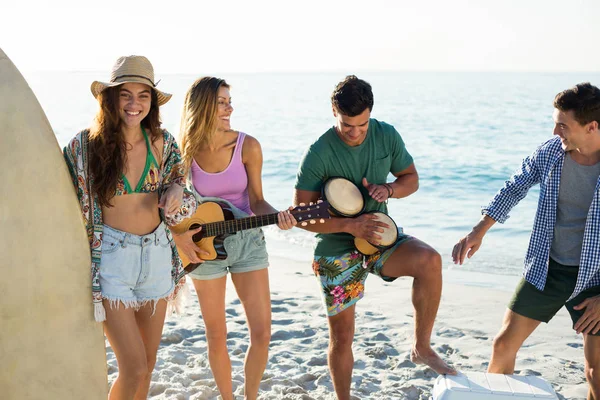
{"x":530,"y":302}
{"x":343,"y":277}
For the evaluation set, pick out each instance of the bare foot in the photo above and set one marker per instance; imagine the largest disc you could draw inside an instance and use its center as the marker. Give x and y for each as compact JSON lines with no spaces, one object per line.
{"x":430,"y":358}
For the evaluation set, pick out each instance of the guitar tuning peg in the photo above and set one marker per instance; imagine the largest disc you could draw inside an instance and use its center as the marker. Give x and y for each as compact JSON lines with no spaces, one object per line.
{"x":311,"y":203}
{"x":319,"y":201}
{"x":302,"y":204}
{"x":304,"y":223}
{"x":312,"y":221}
{"x":322,"y":220}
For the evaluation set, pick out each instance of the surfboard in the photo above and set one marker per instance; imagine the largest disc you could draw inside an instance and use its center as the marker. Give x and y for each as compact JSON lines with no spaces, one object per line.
{"x":50,"y":346}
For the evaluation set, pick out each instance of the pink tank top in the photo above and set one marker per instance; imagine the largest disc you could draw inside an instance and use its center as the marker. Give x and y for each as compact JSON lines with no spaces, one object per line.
{"x":230,"y":184}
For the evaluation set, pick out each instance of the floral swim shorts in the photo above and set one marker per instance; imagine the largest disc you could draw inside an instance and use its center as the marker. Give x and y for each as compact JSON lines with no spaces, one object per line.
{"x":343,"y":277}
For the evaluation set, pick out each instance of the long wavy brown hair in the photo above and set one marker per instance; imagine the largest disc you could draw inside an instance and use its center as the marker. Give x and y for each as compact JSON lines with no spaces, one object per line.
{"x":108,"y":148}
{"x":199,"y":116}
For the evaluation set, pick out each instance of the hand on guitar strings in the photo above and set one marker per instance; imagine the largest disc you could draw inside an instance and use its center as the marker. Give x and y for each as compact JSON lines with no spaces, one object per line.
{"x":379,"y":193}
{"x":285,"y":220}
{"x":186,"y":244}
{"x":367,"y":226}
{"x":171,"y":200}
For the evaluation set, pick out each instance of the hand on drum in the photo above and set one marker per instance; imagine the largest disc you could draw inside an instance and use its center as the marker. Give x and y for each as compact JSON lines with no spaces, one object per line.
{"x":379,"y":193}
{"x":368,"y":227}
{"x":285,"y":220}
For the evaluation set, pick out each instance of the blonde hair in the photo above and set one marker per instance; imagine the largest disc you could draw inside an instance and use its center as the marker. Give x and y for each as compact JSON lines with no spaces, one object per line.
{"x":199,"y":116}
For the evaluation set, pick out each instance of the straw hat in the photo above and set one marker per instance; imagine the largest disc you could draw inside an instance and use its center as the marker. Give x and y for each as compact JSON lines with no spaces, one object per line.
{"x":131,"y":69}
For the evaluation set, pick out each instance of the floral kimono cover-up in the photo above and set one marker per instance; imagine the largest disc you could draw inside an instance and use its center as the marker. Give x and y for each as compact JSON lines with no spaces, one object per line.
{"x":172,"y":172}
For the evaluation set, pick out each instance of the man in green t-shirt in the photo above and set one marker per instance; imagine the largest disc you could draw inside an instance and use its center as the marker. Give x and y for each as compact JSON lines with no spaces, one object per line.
{"x":364,"y":151}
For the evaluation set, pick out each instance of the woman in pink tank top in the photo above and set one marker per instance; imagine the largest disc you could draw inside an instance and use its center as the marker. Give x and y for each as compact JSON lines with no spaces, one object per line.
{"x":227,"y":164}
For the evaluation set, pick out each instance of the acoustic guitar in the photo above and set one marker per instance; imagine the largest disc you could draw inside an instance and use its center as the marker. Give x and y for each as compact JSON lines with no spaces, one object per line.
{"x":218,"y":222}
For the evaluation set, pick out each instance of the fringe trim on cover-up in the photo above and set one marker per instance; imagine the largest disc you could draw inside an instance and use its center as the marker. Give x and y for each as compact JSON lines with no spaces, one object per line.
{"x":99,"y":311}
{"x":176,"y":305}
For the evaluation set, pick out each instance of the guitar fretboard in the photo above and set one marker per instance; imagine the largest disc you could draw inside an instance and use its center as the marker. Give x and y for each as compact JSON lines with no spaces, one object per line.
{"x":234,"y":225}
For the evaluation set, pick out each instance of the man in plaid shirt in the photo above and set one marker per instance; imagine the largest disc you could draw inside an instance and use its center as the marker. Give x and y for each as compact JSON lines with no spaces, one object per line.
{"x":562,"y":265}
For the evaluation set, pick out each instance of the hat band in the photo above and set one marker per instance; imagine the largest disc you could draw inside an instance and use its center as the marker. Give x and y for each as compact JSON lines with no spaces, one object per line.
{"x":134,"y":76}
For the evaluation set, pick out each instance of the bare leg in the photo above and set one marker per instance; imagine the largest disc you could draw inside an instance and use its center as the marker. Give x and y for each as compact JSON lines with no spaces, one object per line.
{"x":124,"y":336}
{"x":591,"y":347}
{"x":151,"y":326}
{"x":515,"y":329}
{"x":417,"y":259}
{"x":211,"y":295}
{"x":253,"y":290}
{"x":340,"y":357}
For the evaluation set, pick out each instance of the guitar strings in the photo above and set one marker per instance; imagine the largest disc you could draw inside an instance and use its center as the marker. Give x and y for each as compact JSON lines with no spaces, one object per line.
{"x":229,"y":226}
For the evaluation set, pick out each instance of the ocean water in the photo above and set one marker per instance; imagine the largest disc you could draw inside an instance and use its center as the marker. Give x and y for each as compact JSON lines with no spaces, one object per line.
{"x":467,"y":133}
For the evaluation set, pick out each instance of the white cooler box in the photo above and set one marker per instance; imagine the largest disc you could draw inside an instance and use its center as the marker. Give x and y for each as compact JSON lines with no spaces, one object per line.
{"x":484,"y":386}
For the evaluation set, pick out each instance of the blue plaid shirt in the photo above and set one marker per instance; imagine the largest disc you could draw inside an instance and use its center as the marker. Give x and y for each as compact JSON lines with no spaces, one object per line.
{"x":544,"y":166}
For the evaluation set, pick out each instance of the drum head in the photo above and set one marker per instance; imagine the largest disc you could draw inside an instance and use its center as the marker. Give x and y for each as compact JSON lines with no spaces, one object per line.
{"x":389,"y":235}
{"x":343,"y":196}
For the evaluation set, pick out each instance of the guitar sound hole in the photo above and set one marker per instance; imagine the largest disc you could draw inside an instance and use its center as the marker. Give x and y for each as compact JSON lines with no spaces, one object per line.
{"x":198,"y":236}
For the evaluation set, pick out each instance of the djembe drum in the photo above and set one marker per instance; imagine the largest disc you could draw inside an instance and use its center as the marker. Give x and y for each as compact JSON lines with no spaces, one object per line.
{"x":389,"y":236}
{"x":345,"y":199}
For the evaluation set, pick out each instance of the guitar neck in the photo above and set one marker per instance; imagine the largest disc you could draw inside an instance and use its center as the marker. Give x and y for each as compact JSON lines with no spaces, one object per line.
{"x":234,"y":225}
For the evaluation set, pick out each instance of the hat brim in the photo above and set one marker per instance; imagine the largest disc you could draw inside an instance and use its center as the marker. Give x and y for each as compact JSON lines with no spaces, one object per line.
{"x":98,"y":87}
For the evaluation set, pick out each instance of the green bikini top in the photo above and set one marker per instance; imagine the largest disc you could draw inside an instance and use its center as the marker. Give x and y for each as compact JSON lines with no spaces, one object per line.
{"x":150,"y":179}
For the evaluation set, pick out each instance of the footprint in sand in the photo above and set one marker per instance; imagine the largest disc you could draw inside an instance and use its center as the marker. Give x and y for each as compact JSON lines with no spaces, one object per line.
{"x":445,"y":349}
{"x":317,"y":361}
{"x":294,"y":390}
{"x":382,"y":352}
{"x":450,"y":333}
{"x":176,"y":336}
{"x":232,"y":312}
{"x":157,"y":388}
{"x":294,"y":334}
{"x":575,"y":345}
{"x":236,"y":335}
{"x":377,"y":353}
{"x":411,"y":391}
{"x":282,"y":321}
{"x":406,"y":364}
{"x":178,"y":358}
{"x":278,"y":302}
{"x":379,"y":365}
{"x":373,"y":316}
{"x":527,"y":372}
{"x":304,"y":378}
{"x":380,"y":337}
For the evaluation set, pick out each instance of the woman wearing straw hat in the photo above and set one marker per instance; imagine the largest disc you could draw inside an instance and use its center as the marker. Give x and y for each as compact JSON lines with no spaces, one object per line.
{"x":226,"y":164}
{"x":128,"y":175}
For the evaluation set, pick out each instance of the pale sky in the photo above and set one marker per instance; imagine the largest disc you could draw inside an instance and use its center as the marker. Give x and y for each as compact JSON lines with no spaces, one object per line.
{"x":301,"y":36}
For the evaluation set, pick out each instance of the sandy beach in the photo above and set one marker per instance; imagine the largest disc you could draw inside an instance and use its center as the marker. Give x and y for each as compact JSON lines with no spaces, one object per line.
{"x":468,"y":319}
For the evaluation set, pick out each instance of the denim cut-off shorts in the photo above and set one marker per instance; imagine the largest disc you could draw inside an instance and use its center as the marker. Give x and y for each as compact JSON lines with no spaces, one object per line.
{"x":246,"y":252}
{"x":135,"y":270}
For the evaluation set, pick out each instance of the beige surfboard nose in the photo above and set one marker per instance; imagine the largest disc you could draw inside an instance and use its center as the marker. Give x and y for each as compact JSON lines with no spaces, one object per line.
{"x":50,"y":346}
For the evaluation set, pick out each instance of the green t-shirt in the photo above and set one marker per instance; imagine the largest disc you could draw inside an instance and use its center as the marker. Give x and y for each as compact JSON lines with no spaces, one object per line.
{"x":382,"y":152}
